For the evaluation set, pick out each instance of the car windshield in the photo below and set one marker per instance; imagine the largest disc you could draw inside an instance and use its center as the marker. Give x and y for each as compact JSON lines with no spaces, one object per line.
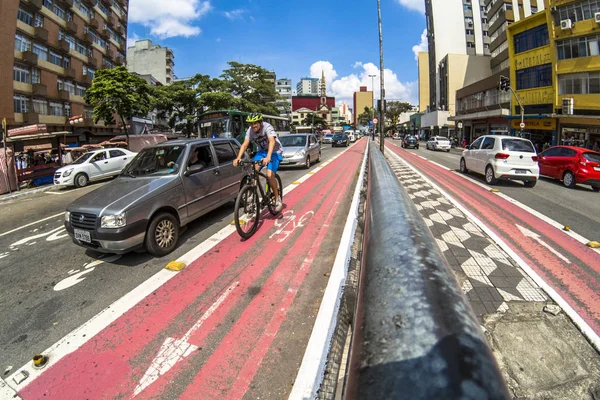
{"x":163,"y":160}
{"x":339,"y":136}
{"x":442,"y":139}
{"x":292,"y":141}
{"x":84,"y":157}
{"x":524,"y":146}
{"x":329,"y":135}
{"x":593,"y":157}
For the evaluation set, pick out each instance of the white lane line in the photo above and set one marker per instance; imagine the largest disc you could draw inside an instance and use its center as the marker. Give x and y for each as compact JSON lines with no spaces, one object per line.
{"x":47,"y":191}
{"x":32,"y":223}
{"x":577,"y":320}
{"x":530,"y":234}
{"x":441,"y":166}
{"x":421,"y":157}
{"x":79,"y":336}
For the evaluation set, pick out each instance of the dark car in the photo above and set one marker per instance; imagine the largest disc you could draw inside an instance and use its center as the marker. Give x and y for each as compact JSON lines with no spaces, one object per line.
{"x":410,"y":141}
{"x":572,"y":165}
{"x":162,"y":189}
{"x":340,"y":139}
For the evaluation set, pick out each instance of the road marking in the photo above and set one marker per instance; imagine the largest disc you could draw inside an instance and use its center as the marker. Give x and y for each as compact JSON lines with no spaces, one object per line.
{"x":527,"y":233}
{"x":441,"y":166}
{"x":47,"y":191}
{"x":32,"y":223}
{"x":174,"y":350}
{"x":290,"y":218}
{"x":53,"y":236}
{"x":78,"y":276}
{"x":576,"y":318}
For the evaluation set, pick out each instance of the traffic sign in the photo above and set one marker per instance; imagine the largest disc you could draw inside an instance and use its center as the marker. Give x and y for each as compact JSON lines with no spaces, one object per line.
{"x":375,"y":120}
{"x":522,"y":125}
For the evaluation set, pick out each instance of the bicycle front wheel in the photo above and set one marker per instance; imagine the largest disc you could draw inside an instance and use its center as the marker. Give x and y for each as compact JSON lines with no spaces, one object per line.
{"x":271,"y":204}
{"x":246,"y":212}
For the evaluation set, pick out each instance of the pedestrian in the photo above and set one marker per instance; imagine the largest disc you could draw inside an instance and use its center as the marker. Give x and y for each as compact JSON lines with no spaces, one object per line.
{"x":464,"y":143}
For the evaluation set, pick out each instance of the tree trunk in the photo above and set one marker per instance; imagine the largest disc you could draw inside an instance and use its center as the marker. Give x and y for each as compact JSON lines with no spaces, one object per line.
{"x":126,"y":130}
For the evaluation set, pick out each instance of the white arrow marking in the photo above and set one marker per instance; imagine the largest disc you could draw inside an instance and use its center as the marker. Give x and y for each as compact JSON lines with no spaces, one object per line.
{"x":527,"y":233}
{"x":174,"y":350}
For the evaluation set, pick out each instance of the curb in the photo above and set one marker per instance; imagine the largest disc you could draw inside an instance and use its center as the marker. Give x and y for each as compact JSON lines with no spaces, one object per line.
{"x":24,"y":193}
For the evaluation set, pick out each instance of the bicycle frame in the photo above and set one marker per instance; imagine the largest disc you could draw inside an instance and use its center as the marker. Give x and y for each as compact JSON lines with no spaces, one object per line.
{"x":253,"y":178}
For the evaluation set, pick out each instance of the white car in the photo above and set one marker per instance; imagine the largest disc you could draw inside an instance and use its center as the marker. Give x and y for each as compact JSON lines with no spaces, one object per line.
{"x":438,"y":143}
{"x":93,"y":165}
{"x":351,"y":136}
{"x":502,"y":157}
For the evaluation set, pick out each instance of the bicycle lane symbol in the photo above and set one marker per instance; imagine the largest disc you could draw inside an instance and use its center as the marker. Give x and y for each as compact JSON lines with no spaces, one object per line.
{"x":288,"y":224}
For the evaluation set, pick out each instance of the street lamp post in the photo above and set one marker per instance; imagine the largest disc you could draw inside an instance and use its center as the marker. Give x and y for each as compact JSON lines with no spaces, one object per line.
{"x":381,"y":72}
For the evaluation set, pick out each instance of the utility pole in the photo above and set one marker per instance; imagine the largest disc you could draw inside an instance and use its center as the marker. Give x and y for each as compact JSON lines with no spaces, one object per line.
{"x":381,"y":72}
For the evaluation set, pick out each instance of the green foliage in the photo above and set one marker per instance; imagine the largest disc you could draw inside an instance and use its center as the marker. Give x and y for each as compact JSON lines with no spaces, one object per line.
{"x":394,"y":109}
{"x":116,"y":92}
{"x":365,"y":116}
{"x":315,"y":120}
{"x":252,"y":87}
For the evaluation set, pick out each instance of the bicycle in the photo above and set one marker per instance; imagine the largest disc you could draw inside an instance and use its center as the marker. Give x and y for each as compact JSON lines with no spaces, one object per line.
{"x":252,"y":199}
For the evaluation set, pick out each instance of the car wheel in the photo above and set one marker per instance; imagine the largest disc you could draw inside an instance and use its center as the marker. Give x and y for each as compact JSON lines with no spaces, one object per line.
{"x":448,"y":151}
{"x":530,"y":184}
{"x":162,"y":234}
{"x":307,"y":162}
{"x":417,"y":147}
{"x":569,"y":179}
{"x":463,"y":166}
{"x":596,"y":188}
{"x":490,"y":178}
{"x":81,"y":180}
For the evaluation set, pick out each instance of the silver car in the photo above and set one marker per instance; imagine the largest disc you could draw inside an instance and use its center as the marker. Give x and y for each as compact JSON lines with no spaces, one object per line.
{"x":162,"y":189}
{"x":300,"y":149}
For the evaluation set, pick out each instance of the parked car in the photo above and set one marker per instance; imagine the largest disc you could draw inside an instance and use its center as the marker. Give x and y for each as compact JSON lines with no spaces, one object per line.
{"x":328,"y":138}
{"x":572,"y":165}
{"x":340,"y":139}
{"x":351,"y":136}
{"x":300,"y":149}
{"x":438,"y":143}
{"x":410,"y":141}
{"x":165,"y":187}
{"x":502,"y":157}
{"x":93,"y":166}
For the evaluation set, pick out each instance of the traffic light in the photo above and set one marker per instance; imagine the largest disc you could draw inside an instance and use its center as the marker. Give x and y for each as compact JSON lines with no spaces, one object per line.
{"x":504,"y":83}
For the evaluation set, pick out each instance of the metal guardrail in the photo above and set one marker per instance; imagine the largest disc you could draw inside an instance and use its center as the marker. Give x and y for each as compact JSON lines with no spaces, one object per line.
{"x":415,"y":335}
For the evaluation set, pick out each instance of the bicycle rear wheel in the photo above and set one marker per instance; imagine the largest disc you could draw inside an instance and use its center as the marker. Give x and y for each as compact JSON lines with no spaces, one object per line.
{"x":246,"y":212}
{"x":271,"y":204}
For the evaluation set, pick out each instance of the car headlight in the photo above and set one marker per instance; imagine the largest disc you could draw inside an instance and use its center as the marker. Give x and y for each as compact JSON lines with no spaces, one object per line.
{"x":300,"y":153}
{"x":68,"y":172}
{"x":113,"y":221}
{"x":67,"y":216}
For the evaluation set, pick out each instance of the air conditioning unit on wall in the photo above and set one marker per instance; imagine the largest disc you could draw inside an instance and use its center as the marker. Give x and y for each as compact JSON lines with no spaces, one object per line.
{"x":597,"y":17}
{"x":566,"y":24}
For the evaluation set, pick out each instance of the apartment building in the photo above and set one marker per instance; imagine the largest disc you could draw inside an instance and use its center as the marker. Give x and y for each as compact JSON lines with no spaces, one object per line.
{"x":363,"y":98}
{"x":56,"y":47}
{"x":145,"y":58}
{"x":308,"y":87}
{"x":284,"y":89}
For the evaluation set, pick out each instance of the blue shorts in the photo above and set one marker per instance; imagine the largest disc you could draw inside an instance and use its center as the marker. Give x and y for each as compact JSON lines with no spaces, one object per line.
{"x":276,"y":158}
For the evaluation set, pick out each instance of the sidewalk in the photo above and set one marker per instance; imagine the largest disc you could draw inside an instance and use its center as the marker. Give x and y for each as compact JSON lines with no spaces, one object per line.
{"x":539,"y":350}
{"x":26,"y":192}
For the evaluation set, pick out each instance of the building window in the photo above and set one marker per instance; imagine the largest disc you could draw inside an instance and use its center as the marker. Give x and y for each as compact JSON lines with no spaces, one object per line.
{"x":80,"y":90}
{"x":578,"y":47}
{"x":41,"y":51}
{"x":21,"y":104}
{"x":579,"y":11}
{"x":40,"y":106}
{"x":69,"y":87}
{"x":81,"y":48}
{"x":56,"y":109}
{"x":21,"y":74}
{"x":35,"y":76}
{"x":67,"y":62}
{"x":531,"y":39}
{"x":102,"y":8}
{"x":582,"y":83}
{"x":39,"y":21}
{"x":59,"y":84}
{"x":67,"y":110}
{"x":534,"y":77}
{"x":53,"y":6}
{"x":22,"y":43}
{"x":82,"y":7}
{"x":88,"y":71}
{"x":56,"y":58}
{"x":25,"y":16}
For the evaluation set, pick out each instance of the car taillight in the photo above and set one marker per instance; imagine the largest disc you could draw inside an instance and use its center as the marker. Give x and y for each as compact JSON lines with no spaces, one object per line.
{"x":535,"y":158}
{"x":501,"y":156}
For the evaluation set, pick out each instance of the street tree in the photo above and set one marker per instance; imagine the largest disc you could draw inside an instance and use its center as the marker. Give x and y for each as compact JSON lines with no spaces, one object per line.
{"x":365,"y":116}
{"x":315,"y":120}
{"x":394,"y":109}
{"x":116,"y":92}
{"x":252,"y":87}
{"x":178,"y":104}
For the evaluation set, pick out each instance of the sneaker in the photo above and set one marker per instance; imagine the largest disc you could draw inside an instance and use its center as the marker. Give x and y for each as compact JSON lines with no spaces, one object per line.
{"x":278,"y":206}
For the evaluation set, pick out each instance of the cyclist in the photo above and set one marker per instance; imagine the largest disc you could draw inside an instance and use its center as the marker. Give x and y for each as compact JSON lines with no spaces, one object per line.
{"x":270,"y":150}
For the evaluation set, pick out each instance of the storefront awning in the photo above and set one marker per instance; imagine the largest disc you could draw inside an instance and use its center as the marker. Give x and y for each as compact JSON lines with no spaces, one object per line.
{"x":36,"y":136}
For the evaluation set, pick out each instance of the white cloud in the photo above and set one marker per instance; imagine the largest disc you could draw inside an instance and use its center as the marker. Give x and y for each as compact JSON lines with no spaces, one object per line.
{"x":235,"y":14}
{"x":421,"y":46}
{"x":169,"y":18}
{"x":132,"y":39}
{"x":357,"y":64}
{"x":343,"y":88}
{"x":416,"y":5}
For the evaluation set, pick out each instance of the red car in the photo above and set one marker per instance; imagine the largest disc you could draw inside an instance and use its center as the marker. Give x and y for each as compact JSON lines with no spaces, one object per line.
{"x":572,"y":165}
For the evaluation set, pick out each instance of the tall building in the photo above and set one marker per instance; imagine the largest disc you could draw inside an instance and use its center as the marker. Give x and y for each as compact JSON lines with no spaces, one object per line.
{"x":284,"y":89}
{"x":308,"y":87}
{"x":145,"y":58}
{"x":423,"y":61}
{"x":55,"y":47}
{"x":363,"y":98}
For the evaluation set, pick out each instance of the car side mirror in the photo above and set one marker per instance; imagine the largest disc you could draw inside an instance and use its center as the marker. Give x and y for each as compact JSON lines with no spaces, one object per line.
{"x":194,"y":169}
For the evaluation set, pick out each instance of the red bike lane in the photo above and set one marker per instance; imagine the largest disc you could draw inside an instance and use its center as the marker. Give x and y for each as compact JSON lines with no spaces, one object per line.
{"x":566,"y":265}
{"x":204,"y":333}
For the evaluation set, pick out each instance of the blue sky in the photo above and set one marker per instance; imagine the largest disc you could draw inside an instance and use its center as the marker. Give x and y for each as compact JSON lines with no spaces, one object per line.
{"x":289,"y":37}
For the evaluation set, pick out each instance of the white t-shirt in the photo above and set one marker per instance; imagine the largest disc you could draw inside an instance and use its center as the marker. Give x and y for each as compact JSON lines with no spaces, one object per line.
{"x":262,"y":138}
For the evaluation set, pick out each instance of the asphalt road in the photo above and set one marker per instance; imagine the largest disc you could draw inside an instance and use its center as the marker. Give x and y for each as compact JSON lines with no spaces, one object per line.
{"x":578,"y":208}
{"x":50,"y":286}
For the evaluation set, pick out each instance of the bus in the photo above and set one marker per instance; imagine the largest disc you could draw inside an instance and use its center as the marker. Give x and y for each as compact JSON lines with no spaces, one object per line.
{"x":232,"y":123}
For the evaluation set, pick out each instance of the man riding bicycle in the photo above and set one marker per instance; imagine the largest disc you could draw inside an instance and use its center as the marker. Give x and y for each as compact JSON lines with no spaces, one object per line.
{"x":269,"y":150}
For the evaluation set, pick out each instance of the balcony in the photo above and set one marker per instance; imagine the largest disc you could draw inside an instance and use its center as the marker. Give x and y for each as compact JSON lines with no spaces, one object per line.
{"x":41,"y":34}
{"x":93,"y":23}
{"x":37,"y":4}
{"x":70,"y":73}
{"x":119,"y":60}
{"x":64,"y":46}
{"x":68,"y":3}
{"x":119,"y":29}
{"x":111,"y":21}
{"x":92,"y":61}
{"x":38,"y":89}
{"x":105,"y":33}
{"x":87,"y":38}
{"x":31,"y":117}
{"x":110,"y":54}
{"x":64,"y":95}
{"x":87,"y":79}
{"x":30,"y":58}
{"x":71,"y":27}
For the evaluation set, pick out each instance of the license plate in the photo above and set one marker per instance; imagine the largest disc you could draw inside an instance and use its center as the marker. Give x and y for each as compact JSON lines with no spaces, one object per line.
{"x":597,"y":169}
{"x":82,"y":235}
{"x":521,"y":171}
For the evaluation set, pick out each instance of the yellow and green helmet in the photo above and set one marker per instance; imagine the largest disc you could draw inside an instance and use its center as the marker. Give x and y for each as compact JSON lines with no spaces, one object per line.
{"x":254,"y":117}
